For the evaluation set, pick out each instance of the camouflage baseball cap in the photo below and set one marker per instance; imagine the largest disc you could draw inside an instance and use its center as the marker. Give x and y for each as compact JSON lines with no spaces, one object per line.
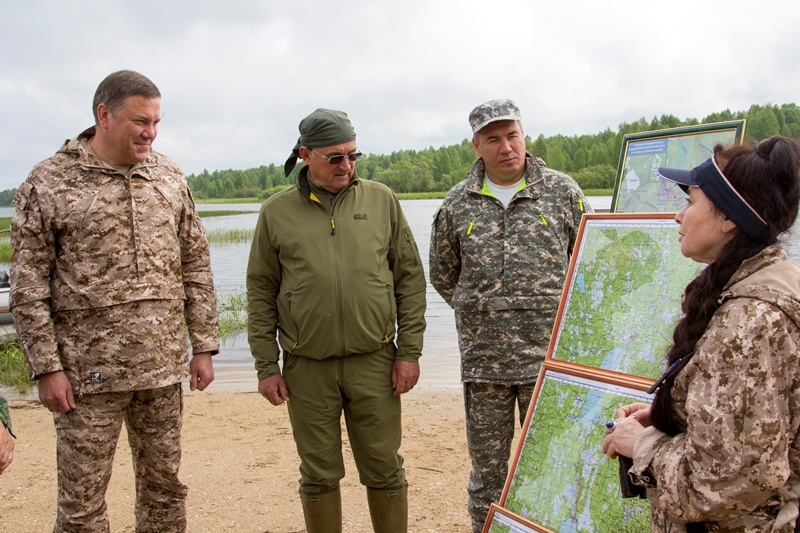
{"x":492,"y":111}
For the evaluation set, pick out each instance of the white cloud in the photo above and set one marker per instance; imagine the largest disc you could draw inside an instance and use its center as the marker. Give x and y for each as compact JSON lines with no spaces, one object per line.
{"x":237,"y":76}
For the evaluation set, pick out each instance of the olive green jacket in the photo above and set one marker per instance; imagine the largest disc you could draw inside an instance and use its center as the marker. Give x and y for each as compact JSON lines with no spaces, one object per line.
{"x":5,"y":418}
{"x":333,"y":285}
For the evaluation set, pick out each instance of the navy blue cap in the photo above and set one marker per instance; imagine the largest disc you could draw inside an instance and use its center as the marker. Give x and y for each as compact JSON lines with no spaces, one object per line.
{"x":722,"y":194}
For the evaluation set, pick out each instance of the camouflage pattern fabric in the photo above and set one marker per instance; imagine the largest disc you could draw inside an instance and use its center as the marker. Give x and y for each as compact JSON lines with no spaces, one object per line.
{"x":110,"y":264}
{"x":502,"y":270}
{"x":736,"y":463}
{"x":106,"y":269}
{"x":493,"y":111}
{"x":86,"y":441}
{"x":490,"y":429}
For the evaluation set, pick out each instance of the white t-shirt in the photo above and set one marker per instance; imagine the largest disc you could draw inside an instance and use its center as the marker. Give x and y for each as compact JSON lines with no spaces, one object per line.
{"x":504,"y":193}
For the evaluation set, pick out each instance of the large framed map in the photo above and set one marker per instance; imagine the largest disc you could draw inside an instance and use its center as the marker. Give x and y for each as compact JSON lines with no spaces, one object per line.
{"x":622,"y":294}
{"x":638,"y":187}
{"x":500,"y":520}
{"x":561,"y":481}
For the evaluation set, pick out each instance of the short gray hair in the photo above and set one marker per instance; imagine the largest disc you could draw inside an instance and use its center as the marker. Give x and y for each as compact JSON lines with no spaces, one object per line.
{"x":118,"y":86}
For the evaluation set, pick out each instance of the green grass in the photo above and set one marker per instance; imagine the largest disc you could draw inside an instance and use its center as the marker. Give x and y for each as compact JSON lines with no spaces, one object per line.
{"x":232,"y":315}
{"x":230,"y":236}
{"x":228,"y":201}
{"x":598,"y":192}
{"x":222,"y":213}
{"x":5,"y":240}
{"x":13,"y":372}
{"x":421,"y":195}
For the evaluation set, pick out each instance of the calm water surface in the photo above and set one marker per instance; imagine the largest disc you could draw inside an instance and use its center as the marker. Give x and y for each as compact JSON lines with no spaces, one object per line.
{"x":440,"y":362}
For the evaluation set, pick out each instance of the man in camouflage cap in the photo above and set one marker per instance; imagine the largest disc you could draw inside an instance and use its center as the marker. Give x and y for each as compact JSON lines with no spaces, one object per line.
{"x":333,"y":268}
{"x":500,"y":248}
{"x":110,"y":265}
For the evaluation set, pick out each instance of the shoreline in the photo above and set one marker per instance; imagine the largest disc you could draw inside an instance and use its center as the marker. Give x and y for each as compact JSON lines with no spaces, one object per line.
{"x":240,"y":464}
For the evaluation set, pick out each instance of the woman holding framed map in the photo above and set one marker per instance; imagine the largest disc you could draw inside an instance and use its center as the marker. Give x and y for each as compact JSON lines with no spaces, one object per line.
{"x":719,"y":449}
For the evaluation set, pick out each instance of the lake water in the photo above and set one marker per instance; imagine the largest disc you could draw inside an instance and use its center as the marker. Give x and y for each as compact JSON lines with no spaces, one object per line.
{"x":440,"y":362}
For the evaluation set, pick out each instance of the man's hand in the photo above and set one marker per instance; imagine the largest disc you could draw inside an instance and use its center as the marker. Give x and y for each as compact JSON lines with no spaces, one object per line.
{"x":405,"y":375}
{"x":274,"y":389}
{"x":202,"y":370}
{"x":55,"y":392}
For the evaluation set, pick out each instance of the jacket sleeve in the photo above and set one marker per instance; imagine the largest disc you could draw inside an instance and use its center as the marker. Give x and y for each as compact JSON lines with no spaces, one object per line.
{"x":5,"y":417}
{"x":32,"y":261}
{"x":202,"y":320}
{"x":409,"y":287}
{"x":263,"y":286}
{"x":734,"y":454}
{"x":445,"y":256}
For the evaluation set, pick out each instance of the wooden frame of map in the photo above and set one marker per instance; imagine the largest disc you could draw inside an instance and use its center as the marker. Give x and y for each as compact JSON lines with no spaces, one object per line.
{"x":637,"y":187}
{"x":501,"y":520}
{"x":621,"y":297}
{"x":560,"y":480}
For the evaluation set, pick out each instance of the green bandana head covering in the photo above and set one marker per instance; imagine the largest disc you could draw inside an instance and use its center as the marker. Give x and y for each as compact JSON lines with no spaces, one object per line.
{"x":323,"y":127}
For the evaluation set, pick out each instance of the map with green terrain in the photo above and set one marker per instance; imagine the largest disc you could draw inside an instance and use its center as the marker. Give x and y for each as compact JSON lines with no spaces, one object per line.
{"x":562,"y":481}
{"x":641,"y":190}
{"x":502,"y":523}
{"x":624,"y":296}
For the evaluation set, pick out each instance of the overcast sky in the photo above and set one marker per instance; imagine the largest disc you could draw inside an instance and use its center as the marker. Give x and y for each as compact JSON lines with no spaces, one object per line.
{"x":236,"y":76}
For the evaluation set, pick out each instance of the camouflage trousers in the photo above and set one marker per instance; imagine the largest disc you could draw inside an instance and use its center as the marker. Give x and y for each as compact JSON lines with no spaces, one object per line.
{"x":490,"y":430}
{"x":86,"y":440}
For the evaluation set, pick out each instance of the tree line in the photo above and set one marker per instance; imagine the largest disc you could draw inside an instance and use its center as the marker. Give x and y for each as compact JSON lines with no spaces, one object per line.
{"x":590,"y":159}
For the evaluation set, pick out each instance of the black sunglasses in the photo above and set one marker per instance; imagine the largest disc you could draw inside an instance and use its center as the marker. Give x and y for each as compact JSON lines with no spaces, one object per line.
{"x":337,"y":159}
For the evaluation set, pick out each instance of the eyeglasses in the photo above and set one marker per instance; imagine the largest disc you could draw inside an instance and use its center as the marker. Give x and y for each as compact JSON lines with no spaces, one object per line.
{"x":337,"y":159}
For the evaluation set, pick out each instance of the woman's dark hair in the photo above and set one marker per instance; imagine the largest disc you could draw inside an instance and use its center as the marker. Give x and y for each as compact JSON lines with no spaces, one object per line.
{"x":767,"y":176}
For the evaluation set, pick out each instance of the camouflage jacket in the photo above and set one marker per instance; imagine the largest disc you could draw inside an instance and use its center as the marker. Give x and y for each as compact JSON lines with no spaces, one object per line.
{"x":736,"y":464}
{"x":503,"y":269}
{"x":334,"y":285}
{"x":105,"y":267}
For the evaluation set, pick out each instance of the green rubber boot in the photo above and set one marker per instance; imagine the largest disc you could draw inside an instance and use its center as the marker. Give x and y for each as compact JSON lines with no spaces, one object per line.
{"x":388,"y":509}
{"x":322,"y":512}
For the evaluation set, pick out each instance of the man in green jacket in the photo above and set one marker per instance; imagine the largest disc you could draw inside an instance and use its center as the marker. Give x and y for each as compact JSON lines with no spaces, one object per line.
{"x":335,"y":278}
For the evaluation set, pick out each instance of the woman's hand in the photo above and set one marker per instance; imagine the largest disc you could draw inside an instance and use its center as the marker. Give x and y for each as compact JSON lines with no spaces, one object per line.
{"x":621,"y":436}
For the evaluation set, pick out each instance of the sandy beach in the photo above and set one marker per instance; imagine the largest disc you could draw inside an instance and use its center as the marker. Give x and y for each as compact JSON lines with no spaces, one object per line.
{"x":241,"y":466}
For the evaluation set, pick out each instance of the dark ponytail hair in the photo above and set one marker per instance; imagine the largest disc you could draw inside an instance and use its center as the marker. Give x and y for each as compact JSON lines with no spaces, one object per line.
{"x":768,"y":178}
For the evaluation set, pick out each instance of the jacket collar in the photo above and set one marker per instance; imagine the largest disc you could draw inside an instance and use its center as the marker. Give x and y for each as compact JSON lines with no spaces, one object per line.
{"x":305,"y":188}
{"x":76,"y":147}
{"x":533,"y":177}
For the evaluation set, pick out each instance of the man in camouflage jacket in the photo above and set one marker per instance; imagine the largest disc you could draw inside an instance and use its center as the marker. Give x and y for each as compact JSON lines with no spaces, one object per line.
{"x":110,"y":264}
{"x":500,"y":248}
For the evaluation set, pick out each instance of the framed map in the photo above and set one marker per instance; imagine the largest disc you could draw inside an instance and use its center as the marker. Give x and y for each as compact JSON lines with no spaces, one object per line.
{"x":622,"y":294}
{"x":561,"y":481}
{"x":638,"y":187}
{"x":500,"y":520}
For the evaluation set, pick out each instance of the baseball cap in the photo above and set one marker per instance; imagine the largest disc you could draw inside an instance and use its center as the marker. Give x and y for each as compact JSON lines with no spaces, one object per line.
{"x":492,"y":111}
